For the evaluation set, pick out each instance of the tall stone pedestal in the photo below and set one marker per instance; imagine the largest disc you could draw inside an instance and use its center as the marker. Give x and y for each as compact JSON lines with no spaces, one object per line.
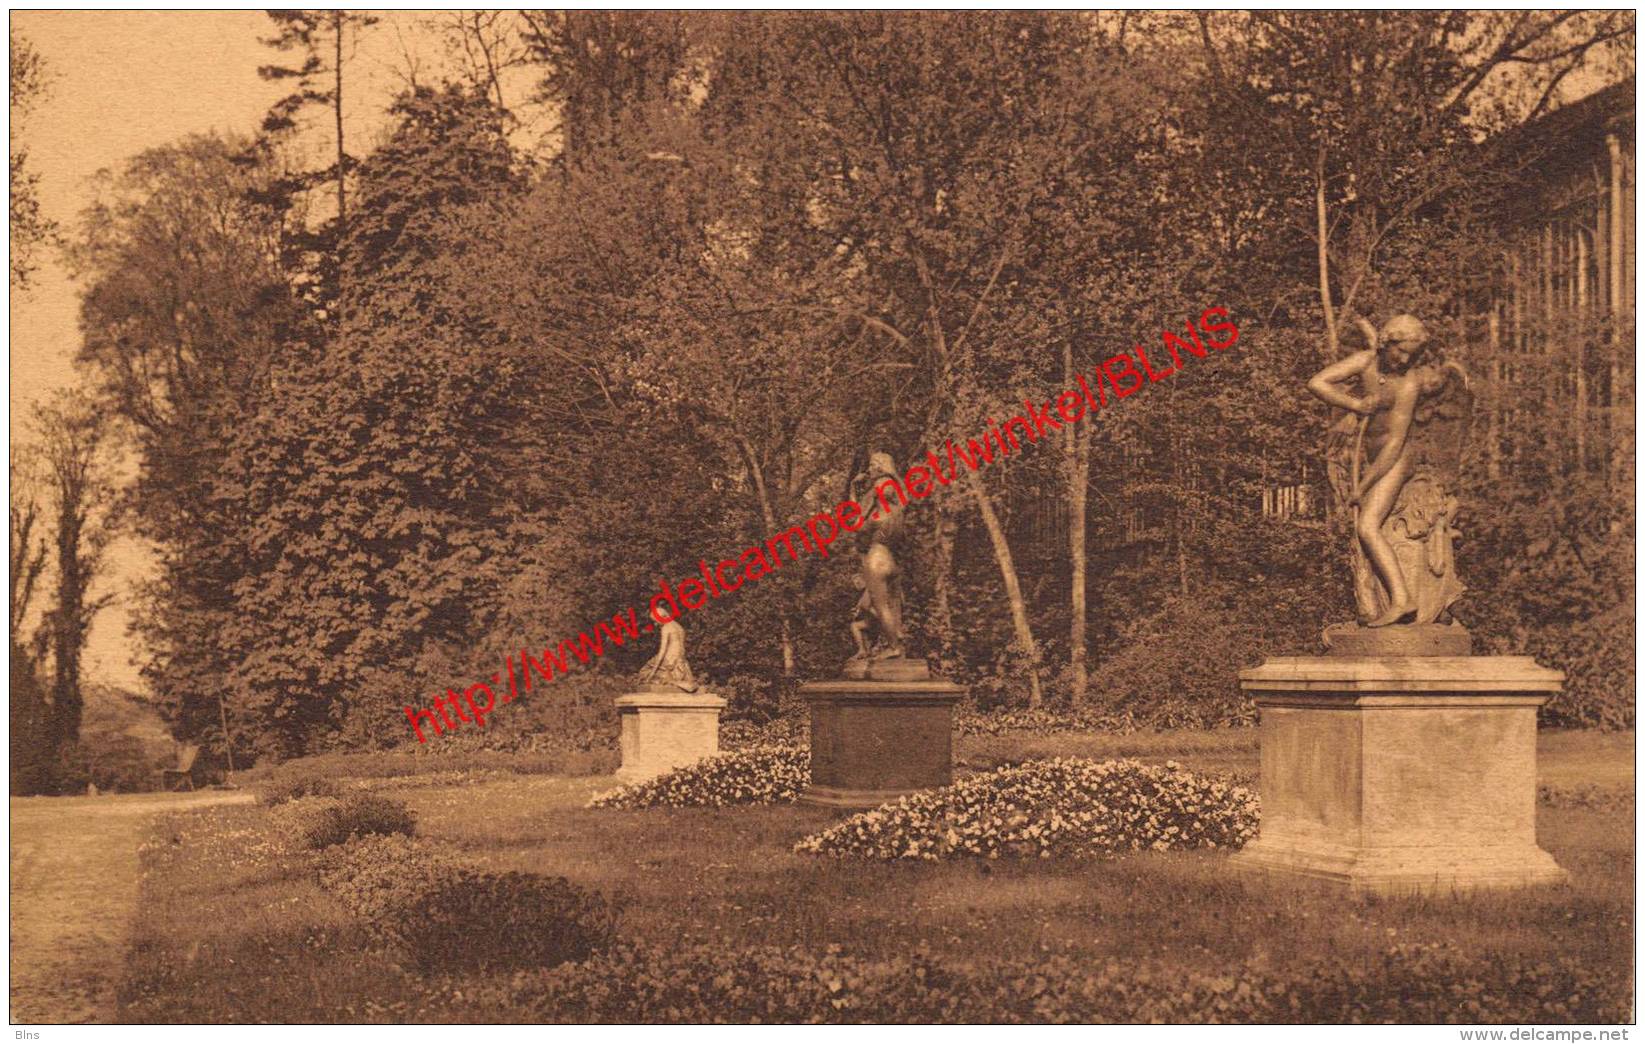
{"x":1398,"y":774}
{"x":667,"y":730}
{"x":873,"y":741}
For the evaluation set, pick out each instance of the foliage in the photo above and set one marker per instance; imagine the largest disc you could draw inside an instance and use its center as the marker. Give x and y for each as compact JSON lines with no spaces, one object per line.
{"x":360,"y":815}
{"x":74,"y":443}
{"x":767,"y":984}
{"x":379,"y":455}
{"x":1053,"y":808}
{"x":31,"y":231}
{"x":444,"y":913}
{"x":790,"y":730}
{"x":294,"y":784}
{"x":758,"y":776}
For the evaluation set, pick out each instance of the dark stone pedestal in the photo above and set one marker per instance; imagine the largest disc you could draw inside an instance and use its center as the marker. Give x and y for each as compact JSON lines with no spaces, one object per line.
{"x":874,"y":741}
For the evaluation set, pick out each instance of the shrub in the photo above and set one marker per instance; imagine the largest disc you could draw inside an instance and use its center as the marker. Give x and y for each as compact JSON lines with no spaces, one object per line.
{"x":363,"y":815}
{"x":1062,"y":807}
{"x":759,"y":776}
{"x":969,"y":722}
{"x":713,"y":984}
{"x":443,"y":912}
{"x":790,"y":731}
{"x":290,"y":786}
{"x":794,"y":730}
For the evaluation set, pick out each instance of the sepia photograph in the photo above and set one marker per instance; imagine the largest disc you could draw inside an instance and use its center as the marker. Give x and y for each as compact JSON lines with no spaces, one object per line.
{"x":908,"y":518}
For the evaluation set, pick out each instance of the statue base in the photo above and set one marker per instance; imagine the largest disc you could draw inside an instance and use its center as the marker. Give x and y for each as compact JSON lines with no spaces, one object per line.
{"x":662,"y":731}
{"x":1430,"y":639}
{"x":899,"y":668}
{"x":874,"y":741}
{"x":1400,"y":774}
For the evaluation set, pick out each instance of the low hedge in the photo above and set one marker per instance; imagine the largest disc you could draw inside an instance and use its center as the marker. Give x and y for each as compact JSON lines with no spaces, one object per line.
{"x":714,"y":984}
{"x":443,"y":912}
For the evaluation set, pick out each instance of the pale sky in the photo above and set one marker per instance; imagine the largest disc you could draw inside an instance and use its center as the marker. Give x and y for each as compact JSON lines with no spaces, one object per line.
{"x":125,"y":81}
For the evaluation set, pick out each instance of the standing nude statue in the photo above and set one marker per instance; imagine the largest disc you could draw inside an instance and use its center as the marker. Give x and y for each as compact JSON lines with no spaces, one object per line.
{"x":1415,"y":580}
{"x":880,"y":575}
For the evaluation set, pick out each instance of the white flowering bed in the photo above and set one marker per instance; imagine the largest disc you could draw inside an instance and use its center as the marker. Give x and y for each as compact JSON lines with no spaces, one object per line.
{"x":757,"y":776}
{"x":1062,"y":807}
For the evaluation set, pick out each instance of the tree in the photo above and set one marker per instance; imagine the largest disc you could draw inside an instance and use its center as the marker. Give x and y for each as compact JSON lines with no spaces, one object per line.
{"x":73,"y":431}
{"x":28,"y":548}
{"x":320,"y":37}
{"x":1378,"y":112}
{"x":379,"y":473}
{"x":185,"y":317}
{"x":29,"y":710}
{"x":599,"y":63}
{"x":943,"y":152}
{"x":31,"y":230}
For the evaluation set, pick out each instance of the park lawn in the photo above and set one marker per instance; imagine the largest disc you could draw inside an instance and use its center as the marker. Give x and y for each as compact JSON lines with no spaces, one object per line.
{"x":225,"y":935}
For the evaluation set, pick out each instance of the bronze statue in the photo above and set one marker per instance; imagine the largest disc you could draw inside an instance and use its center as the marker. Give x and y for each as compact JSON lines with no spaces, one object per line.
{"x":879,"y":609}
{"x":1404,"y":570}
{"x":668,"y":671}
{"x":880,"y":576}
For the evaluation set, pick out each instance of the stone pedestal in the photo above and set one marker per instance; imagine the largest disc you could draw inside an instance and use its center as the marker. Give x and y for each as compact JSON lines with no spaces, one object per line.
{"x":667,"y":730}
{"x":1398,"y":774}
{"x":873,"y":741}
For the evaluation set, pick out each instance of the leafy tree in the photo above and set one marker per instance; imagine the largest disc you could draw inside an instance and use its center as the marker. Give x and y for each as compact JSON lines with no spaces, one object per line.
{"x":29,"y":709}
{"x":73,"y":434}
{"x":320,"y":38}
{"x":377,"y":471}
{"x":31,"y":230}
{"x":184,"y":318}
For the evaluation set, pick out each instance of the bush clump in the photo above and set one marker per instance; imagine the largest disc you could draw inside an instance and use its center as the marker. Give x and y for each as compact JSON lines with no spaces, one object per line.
{"x":1042,"y":722}
{"x":1061,"y":807}
{"x":758,"y":776}
{"x":283,"y":787}
{"x":788,"y":731}
{"x":714,"y":984}
{"x":440,"y":911}
{"x":363,"y":815}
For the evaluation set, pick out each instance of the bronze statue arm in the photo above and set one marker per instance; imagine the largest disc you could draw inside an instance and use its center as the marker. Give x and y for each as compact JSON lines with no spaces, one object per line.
{"x":1324,"y":383}
{"x":1399,"y":429}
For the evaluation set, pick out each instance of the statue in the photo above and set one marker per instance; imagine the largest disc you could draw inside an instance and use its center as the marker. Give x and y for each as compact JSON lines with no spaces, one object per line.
{"x":860,"y":618}
{"x":1407,"y":421}
{"x":880,"y":579}
{"x":668,"y":671}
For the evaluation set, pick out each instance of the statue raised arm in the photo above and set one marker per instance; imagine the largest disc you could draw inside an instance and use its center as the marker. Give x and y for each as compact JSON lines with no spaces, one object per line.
{"x":1396,"y":472}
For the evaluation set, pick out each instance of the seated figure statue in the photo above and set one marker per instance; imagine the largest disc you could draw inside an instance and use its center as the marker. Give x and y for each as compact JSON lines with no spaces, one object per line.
{"x":668,"y":671}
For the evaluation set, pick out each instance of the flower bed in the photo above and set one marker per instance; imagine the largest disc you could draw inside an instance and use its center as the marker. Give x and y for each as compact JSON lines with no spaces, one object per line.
{"x":759,"y":776}
{"x":1062,"y":807}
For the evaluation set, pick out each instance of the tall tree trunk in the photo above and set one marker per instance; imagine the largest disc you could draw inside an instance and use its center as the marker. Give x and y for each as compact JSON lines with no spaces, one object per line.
{"x":769,"y":515}
{"x":1580,"y":328}
{"x":1324,"y":257}
{"x":1077,"y":443}
{"x":985,"y":507}
{"x":942,"y":587}
{"x":1615,"y":230}
{"x":1493,"y":449}
{"x":337,"y":107}
{"x":1013,"y":589}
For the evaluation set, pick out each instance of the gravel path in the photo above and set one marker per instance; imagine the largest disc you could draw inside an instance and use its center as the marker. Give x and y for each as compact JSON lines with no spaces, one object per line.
{"x":73,"y":887}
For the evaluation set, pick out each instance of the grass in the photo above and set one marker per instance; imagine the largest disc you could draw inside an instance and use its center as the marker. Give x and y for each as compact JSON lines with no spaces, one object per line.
{"x":225,"y":932}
